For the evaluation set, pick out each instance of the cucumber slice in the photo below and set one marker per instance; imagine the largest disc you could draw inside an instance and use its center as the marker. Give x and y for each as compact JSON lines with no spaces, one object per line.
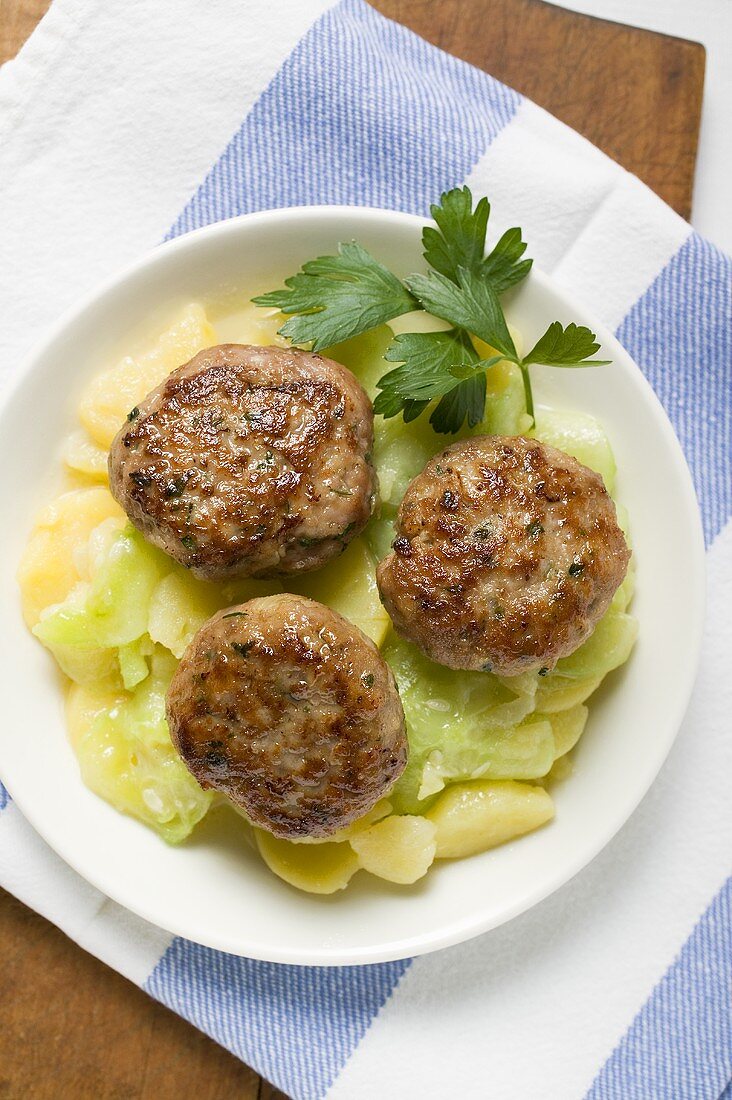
{"x":400,"y":453}
{"x":133,"y":664}
{"x":364,"y":356}
{"x":179,"y":605}
{"x":379,"y":536}
{"x":112,"y":609}
{"x":348,"y":585}
{"x":557,"y":693}
{"x":126,"y":755}
{"x":608,"y":646}
{"x":505,"y":406}
{"x":463,"y":724}
{"x":579,"y":435}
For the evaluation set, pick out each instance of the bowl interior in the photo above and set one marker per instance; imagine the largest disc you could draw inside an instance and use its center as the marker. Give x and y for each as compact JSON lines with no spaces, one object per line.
{"x":214,"y":889}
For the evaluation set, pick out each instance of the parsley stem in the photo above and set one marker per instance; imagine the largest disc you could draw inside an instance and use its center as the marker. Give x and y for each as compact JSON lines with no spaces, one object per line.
{"x":527,"y":392}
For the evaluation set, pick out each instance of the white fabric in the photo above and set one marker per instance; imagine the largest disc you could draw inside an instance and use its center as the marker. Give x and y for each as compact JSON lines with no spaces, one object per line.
{"x":103,"y":100}
{"x":708,"y":22}
{"x":484,"y":1023}
{"x":110,"y":117}
{"x":91,"y":111}
{"x":599,"y":231}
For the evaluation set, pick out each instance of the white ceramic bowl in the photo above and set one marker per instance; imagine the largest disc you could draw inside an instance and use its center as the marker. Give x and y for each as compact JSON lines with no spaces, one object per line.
{"x":214,"y":889}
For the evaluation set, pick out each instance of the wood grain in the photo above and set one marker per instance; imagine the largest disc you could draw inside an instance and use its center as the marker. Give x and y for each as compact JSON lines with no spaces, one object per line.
{"x":74,"y":1028}
{"x":635,"y":94}
{"x":17,"y":19}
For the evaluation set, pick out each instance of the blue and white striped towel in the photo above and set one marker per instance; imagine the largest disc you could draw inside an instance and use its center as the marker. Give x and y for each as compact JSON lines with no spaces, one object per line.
{"x":124,"y":122}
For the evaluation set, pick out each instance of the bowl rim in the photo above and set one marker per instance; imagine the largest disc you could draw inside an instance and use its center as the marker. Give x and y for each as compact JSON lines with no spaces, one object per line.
{"x":477,"y":923}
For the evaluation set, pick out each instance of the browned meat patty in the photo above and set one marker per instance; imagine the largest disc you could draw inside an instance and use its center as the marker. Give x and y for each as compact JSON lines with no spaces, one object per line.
{"x":507,"y":553}
{"x":290,"y":711}
{"x":249,"y":461}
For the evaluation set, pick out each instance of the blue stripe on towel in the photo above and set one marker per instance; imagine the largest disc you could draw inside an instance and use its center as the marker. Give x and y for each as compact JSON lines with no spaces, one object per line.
{"x":406,"y":124}
{"x":680,"y":334}
{"x":362,"y":112}
{"x":679,"y":1047}
{"x":297,"y":1025}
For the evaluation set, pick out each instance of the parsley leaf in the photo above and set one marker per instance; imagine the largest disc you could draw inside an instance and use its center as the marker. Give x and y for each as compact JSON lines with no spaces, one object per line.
{"x":336,"y":297}
{"x":458,"y":243}
{"x":459,"y":240}
{"x":472,"y":305}
{"x":465,"y":400}
{"x":428,"y":360}
{"x":566,"y":347}
{"x":435,"y":364}
{"x":503,"y":267}
{"x":411,"y":410}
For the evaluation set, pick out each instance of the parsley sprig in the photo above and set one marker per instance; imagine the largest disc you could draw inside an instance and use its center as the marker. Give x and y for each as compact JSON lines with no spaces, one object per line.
{"x":334,"y":298}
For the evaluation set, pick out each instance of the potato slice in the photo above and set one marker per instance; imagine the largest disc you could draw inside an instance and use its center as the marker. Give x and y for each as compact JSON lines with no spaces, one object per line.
{"x":399,"y":848}
{"x":83,"y":456}
{"x":85,"y":703}
{"x":315,"y":868}
{"x":53,"y":561}
{"x":88,"y":666}
{"x":382,"y":809}
{"x":471,"y":817}
{"x":111,"y":394}
{"x":567,"y":728}
{"x":179,"y":606}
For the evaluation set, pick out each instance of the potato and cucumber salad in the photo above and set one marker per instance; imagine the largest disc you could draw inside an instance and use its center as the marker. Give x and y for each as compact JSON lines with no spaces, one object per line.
{"x":118,"y":614}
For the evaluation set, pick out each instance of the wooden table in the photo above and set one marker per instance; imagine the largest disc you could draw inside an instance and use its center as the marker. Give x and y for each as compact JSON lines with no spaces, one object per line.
{"x":72,"y":1027}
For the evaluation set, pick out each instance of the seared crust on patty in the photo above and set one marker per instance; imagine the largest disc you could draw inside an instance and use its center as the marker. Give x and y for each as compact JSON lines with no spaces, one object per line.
{"x":507,"y":553}
{"x":290,"y":711}
{"x":249,"y":461}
